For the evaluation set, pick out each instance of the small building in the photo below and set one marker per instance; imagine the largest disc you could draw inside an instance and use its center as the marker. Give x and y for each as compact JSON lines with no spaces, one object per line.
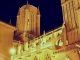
{"x":6,"y":39}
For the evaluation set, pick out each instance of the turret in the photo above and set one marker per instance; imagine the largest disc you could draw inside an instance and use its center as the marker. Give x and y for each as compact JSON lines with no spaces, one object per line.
{"x":38,"y":22}
{"x":28,"y":22}
{"x":19,"y":11}
{"x":38,"y":11}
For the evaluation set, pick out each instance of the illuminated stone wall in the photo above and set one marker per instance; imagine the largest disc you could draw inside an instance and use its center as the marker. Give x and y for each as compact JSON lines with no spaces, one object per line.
{"x":6,"y":38}
{"x":59,"y":44}
{"x":70,"y":10}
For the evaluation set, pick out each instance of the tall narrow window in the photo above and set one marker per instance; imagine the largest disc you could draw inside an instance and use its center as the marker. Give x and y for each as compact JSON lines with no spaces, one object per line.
{"x":28,"y":20}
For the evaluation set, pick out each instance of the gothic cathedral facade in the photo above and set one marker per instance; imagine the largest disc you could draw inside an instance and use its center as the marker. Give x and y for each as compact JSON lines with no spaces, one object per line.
{"x":62,"y":43}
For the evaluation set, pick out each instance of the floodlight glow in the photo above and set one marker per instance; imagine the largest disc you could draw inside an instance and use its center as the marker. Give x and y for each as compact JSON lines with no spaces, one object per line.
{"x":12,"y":51}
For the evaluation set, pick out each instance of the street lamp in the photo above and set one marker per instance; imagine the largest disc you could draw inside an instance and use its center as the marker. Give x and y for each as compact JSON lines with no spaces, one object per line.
{"x":12,"y":51}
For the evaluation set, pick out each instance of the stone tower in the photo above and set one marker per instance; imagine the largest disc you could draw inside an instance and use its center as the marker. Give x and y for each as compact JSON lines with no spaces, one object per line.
{"x":28,"y":21}
{"x":70,"y":10}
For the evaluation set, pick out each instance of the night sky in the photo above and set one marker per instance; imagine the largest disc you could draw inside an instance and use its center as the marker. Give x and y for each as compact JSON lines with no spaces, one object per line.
{"x":51,"y":13}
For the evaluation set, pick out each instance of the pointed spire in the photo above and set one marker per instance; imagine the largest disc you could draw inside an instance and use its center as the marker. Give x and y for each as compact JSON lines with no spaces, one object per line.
{"x":38,"y":11}
{"x":18,"y":11}
{"x":44,"y":32}
{"x":27,"y":2}
{"x":10,"y":22}
{"x":19,"y":8}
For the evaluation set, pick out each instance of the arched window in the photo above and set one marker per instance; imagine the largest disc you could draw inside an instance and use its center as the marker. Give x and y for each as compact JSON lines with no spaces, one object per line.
{"x":59,"y":42}
{"x":28,"y":20}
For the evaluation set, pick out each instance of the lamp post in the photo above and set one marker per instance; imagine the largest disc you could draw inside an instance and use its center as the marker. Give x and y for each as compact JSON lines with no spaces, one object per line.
{"x":12,"y":51}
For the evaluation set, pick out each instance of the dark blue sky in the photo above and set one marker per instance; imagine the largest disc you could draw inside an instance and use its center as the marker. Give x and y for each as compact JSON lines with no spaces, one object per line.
{"x":51,"y":13}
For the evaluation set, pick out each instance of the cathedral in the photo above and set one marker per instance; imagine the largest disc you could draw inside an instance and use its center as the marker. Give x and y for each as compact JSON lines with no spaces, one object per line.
{"x":24,"y":41}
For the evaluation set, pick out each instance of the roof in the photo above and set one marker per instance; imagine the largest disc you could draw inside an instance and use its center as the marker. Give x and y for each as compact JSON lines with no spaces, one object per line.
{"x":7,"y":25}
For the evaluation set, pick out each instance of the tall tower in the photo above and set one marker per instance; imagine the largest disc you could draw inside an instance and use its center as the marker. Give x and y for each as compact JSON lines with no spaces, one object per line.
{"x":28,"y":21}
{"x":70,"y":17}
